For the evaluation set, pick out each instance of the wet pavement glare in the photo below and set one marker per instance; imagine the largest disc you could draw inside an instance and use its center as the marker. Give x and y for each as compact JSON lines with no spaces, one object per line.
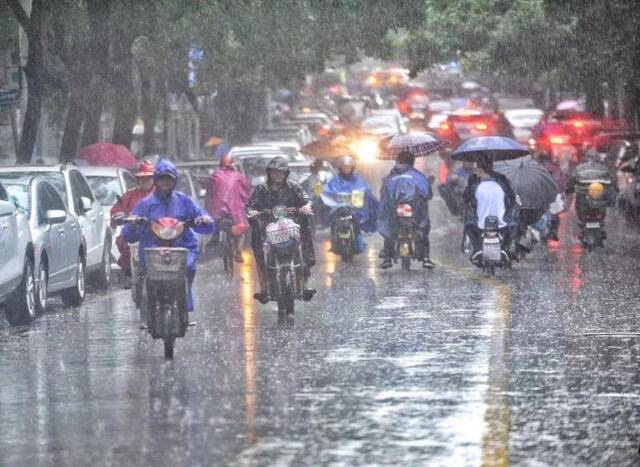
{"x":538,"y":366}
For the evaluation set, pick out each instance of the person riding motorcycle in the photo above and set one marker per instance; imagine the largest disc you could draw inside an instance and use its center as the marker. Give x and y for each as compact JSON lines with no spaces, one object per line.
{"x":348,"y":181}
{"x":488,"y":193}
{"x":405,"y":184}
{"x":314,"y":186}
{"x":592,"y":170}
{"x":227,"y":194}
{"x":124,"y":206}
{"x":279,"y":191}
{"x":166,"y":202}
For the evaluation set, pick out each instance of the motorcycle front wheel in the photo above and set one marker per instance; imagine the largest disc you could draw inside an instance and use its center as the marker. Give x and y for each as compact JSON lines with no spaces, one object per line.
{"x":406,"y":263}
{"x":169,"y":343}
{"x":285,"y":300}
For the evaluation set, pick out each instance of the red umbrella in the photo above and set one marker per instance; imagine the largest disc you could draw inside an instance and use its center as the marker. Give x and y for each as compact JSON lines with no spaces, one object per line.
{"x":108,"y":154}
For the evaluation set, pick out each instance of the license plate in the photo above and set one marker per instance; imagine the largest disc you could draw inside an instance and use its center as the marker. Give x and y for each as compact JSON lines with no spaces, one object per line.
{"x":404,"y":250}
{"x":593,"y":225}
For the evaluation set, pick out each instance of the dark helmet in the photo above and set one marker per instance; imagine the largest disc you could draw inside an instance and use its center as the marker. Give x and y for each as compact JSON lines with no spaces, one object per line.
{"x":278,"y":163}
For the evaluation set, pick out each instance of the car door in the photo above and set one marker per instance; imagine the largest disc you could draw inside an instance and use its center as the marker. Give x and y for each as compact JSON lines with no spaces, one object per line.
{"x":51,"y":236}
{"x":10,"y":259}
{"x":91,"y":221}
{"x":68,"y":237}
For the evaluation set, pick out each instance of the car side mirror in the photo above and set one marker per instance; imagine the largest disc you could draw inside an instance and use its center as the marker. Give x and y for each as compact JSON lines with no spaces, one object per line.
{"x":55,"y":216}
{"x":85,"y":204}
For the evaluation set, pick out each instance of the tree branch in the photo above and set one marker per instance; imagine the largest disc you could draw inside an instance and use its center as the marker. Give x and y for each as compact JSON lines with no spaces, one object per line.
{"x":21,"y":15}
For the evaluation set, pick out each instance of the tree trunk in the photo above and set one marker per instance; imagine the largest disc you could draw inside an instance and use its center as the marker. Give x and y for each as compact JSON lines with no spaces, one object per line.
{"x":91,"y":130}
{"x":150,"y":108}
{"x":71,"y":133}
{"x":33,"y":27}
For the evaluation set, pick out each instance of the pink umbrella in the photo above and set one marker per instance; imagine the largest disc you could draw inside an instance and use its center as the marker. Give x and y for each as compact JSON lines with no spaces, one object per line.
{"x":108,"y":154}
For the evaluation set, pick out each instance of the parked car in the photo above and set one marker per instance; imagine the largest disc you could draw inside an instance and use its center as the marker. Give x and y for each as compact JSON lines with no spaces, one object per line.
{"x":55,"y":236}
{"x":108,"y":184}
{"x":95,"y":257}
{"x":17,"y":282}
{"x":522,"y":121}
{"x":299,"y":133}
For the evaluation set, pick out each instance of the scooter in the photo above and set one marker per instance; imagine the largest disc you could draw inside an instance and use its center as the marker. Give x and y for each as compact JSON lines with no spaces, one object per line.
{"x":163,"y":283}
{"x":344,"y":225}
{"x":406,"y":235}
{"x":283,"y":258}
{"x":493,"y":253}
{"x":592,"y":197}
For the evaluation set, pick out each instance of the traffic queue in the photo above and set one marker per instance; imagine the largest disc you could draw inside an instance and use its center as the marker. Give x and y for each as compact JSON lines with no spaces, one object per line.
{"x":507,"y":175}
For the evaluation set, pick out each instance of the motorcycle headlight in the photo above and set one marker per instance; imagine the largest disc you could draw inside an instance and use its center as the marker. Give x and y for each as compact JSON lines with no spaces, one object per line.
{"x":279,"y":212}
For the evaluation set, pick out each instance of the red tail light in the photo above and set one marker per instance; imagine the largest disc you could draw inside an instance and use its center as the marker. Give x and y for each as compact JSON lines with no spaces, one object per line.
{"x":482,"y":126}
{"x":404,"y":210}
{"x":559,"y":139}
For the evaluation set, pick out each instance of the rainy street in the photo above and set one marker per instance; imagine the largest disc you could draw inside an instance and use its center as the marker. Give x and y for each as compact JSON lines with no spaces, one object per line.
{"x":538,"y":366}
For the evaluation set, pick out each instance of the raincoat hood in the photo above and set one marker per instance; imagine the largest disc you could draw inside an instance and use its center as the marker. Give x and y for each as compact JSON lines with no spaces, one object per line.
{"x":165,"y":167}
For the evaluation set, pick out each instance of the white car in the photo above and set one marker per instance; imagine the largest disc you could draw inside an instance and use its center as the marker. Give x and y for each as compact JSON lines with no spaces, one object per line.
{"x":17,"y":282}
{"x":522,"y":121}
{"x":108,"y":184}
{"x":55,"y":233}
{"x":82,"y":203}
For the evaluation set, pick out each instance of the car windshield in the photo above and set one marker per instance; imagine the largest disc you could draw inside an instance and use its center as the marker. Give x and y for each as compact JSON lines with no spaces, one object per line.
{"x":106,"y":189}
{"x":19,"y":194}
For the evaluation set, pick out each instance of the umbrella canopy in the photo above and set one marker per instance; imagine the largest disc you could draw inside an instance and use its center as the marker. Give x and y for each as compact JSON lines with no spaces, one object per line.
{"x":108,"y":154}
{"x":531,"y":181}
{"x":327,"y":148}
{"x":213,"y":141}
{"x":419,"y":144}
{"x":495,"y":147}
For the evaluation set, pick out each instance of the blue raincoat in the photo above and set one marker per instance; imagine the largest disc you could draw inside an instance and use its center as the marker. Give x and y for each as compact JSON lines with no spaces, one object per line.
{"x":178,"y":206}
{"x":365,"y":216}
{"x":404,"y":184}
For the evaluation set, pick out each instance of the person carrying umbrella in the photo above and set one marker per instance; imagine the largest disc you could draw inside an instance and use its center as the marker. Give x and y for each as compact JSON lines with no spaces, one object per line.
{"x":488,"y":193}
{"x":404,"y":184}
{"x":124,"y":206}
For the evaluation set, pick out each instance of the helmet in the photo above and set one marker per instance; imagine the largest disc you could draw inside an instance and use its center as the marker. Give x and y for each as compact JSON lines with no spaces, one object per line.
{"x":226,"y":161}
{"x":145,"y":169}
{"x":316,"y":165}
{"x":278,"y":163}
{"x":346,"y":161}
{"x":165,"y":168}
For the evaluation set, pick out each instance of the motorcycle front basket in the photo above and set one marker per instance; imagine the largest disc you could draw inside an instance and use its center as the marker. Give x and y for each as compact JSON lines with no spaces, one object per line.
{"x":165,"y":264}
{"x":282,"y":232}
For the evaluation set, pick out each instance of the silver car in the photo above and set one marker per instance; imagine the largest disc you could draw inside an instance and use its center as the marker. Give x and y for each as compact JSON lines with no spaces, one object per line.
{"x":82,"y":203}
{"x":108,"y":184}
{"x":17,"y":283}
{"x":56,"y":235}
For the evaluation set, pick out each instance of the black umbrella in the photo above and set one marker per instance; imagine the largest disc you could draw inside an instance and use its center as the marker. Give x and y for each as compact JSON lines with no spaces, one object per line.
{"x":531,"y":181}
{"x":496,"y":148}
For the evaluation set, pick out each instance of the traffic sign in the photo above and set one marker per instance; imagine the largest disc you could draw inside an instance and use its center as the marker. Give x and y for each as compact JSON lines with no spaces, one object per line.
{"x":9,"y":97}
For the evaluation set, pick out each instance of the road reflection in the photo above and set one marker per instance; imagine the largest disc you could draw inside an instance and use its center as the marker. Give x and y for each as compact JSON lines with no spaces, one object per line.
{"x":247,"y":280}
{"x":329,"y":265}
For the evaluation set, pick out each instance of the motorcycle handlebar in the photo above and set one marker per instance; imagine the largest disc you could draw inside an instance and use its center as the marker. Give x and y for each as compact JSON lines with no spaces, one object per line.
{"x":254,"y":213}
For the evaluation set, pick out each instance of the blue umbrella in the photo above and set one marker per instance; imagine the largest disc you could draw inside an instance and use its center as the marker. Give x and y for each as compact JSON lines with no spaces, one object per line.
{"x":497,"y":148}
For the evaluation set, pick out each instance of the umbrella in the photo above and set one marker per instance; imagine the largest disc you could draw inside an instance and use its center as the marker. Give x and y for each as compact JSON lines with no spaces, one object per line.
{"x":419,"y":144}
{"x":213,"y":141}
{"x":108,"y":154}
{"x":495,"y":147}
{"x":327,"y":148}
{"x":531,"y":181}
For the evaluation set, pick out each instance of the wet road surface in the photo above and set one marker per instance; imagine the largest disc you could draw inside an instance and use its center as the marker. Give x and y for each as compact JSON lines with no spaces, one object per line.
{"x":538,"y":366}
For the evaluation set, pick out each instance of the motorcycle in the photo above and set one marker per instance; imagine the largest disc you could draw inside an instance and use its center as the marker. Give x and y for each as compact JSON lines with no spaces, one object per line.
{"x":163,"y":283}
{"x":136,"y":276}
{"x":406,"y":236}
{"x":344,"y":225}
{"x":593,"y":201}
{"x":493,"y":253}
{"x":283,"y":258}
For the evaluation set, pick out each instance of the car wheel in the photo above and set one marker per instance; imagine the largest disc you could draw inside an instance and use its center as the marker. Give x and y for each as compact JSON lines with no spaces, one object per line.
{"x":42,"y":287}
{"x":75,"y":295}
{"x":103,"y":278}
{"x":22,"y":306}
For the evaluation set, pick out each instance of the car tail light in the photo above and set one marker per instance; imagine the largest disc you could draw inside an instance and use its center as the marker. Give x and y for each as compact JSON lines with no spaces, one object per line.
{"x":559,"y":139}
{"x":445,"y":127}
{"x":404,"y":210}
{"x":578,"y":124}
{"x":482,"y":126}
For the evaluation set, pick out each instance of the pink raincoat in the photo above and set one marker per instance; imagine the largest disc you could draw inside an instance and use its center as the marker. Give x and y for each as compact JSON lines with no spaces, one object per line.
{"x":228,"y":193}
